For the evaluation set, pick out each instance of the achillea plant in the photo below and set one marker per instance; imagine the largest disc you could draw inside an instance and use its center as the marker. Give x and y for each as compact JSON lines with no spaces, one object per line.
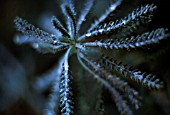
{"x":106,"y":70}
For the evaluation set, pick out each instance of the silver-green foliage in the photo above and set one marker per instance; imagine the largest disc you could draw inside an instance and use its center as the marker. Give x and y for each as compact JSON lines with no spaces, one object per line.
{"x":103,"y":68}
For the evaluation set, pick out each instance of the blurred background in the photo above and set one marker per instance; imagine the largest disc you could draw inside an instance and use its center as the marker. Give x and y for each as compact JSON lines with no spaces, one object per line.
{"x":21,"y":65}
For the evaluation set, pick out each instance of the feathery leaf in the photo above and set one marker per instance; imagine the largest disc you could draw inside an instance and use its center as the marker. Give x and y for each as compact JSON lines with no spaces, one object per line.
{"x":66,"y":94}
{"x":68,"y":10}
{"x":148,"y":80}
{"x":57,"y":25}
{"x":142,"y":14}
{"x":84,"y":13}
{"x":97,"y":72}
{"x":31,"y":31}
{"x":141,"y":40}
{"x":112,"y":7}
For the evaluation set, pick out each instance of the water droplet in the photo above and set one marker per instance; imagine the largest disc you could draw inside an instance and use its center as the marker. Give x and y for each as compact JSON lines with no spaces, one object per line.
{"x":88,"y":35}
{"x":113,"y":7}
{"x":101,"y":30}
{"x":35,"y":45}
{"x":16,"y":39}
{"x":55,"y":41}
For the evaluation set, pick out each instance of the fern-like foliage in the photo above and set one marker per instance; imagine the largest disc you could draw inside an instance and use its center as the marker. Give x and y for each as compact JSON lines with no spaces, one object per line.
{"x":105,"y":69}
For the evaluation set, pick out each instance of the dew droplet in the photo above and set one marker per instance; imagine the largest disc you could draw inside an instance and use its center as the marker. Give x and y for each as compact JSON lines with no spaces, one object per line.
{"x":101,"y":30}
{"x":88,"y":35}
{"x":35,"y":45}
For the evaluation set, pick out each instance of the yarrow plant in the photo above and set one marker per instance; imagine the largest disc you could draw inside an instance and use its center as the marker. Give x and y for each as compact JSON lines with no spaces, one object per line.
{"x":104,"y":68}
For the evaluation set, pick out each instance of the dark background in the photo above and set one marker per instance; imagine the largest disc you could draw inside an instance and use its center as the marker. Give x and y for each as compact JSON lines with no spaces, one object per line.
{"x":19,"y":64}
